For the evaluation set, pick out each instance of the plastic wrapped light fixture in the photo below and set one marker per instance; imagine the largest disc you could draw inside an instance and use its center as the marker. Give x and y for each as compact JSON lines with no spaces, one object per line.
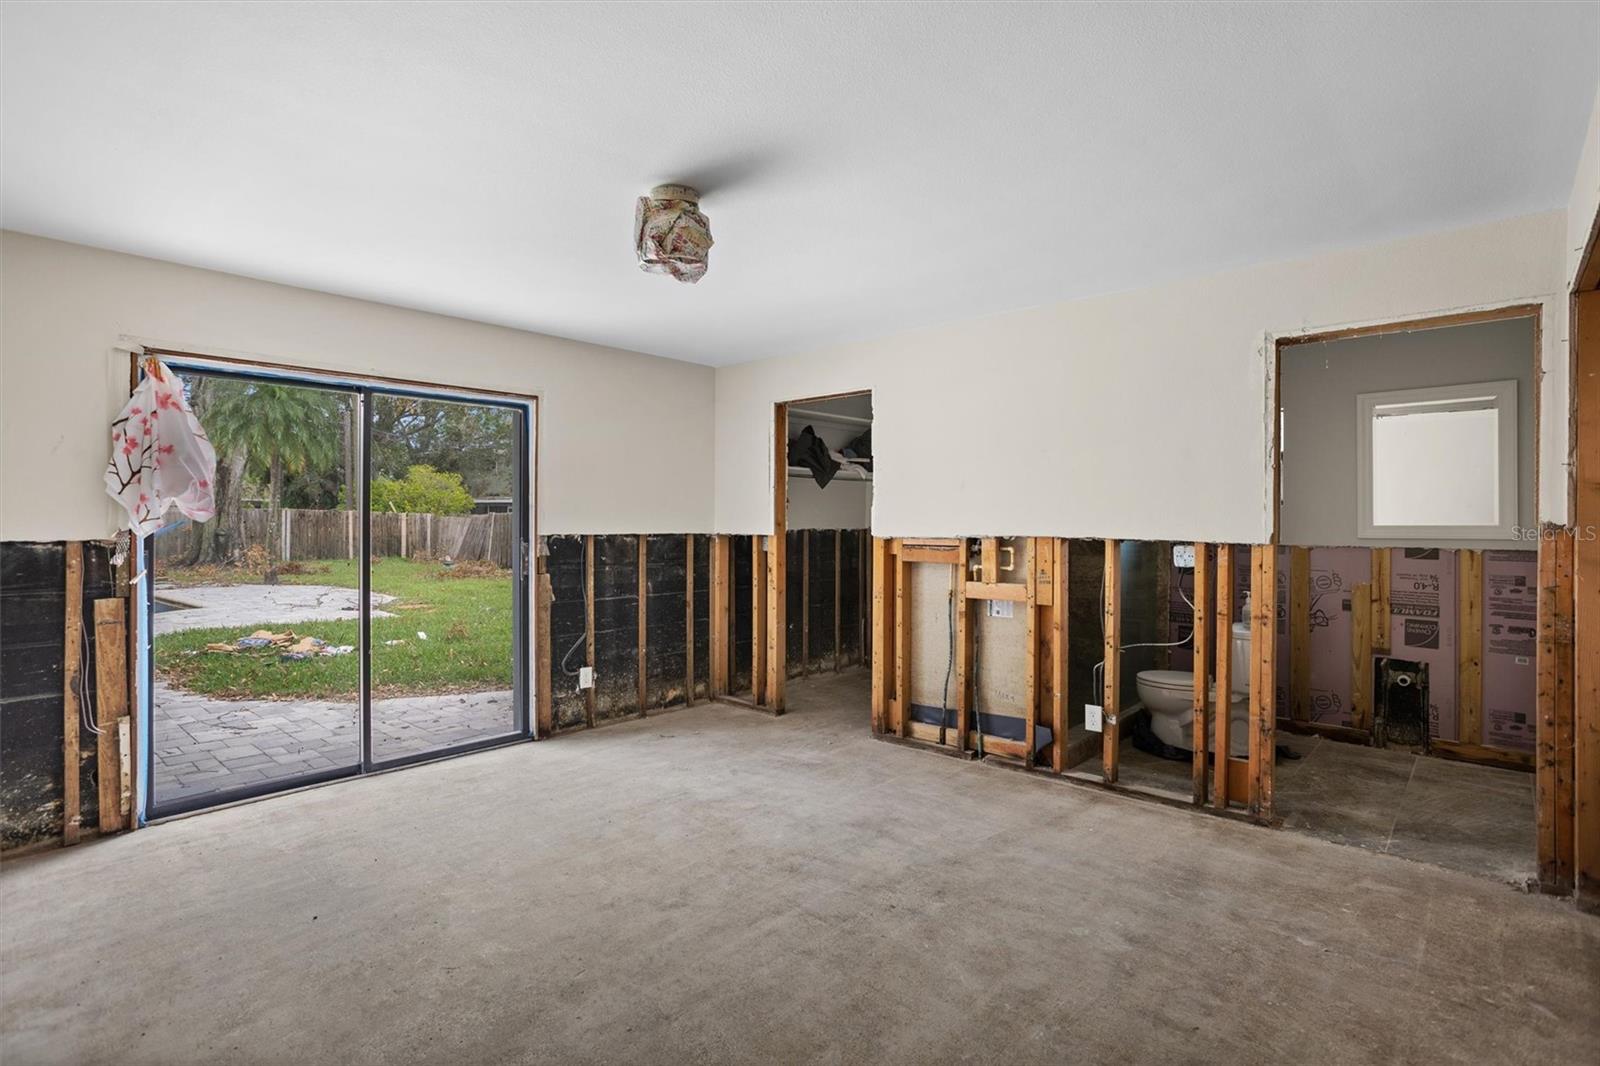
{"x":670,"y":234}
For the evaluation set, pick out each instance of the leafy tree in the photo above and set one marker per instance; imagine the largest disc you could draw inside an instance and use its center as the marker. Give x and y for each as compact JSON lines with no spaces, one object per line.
{"x":423,"y":490}
{"x":283,"y":429}
{"x":475,"y":440}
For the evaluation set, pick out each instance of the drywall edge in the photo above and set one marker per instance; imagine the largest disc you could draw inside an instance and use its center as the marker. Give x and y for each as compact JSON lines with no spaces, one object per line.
{"x":1141,"y":415}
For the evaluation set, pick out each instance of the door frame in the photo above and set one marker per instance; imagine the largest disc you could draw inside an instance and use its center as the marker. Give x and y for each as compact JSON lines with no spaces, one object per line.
{"x":361,"y":387}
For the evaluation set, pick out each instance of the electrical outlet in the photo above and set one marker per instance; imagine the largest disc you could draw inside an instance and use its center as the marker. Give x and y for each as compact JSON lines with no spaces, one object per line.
{"x":1092,"y":713}
{"x":1183,"y":556}
{"x":1000,"y":609}
{"x":585,"y":677}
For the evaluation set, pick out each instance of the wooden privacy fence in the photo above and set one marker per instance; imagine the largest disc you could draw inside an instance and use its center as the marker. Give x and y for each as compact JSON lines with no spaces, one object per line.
{"x":324,"y":534}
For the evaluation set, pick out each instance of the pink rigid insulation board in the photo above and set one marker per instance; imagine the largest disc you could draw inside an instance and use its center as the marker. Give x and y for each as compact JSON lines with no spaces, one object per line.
{"x":1510,"y":607}
{"x":1422,"y":625}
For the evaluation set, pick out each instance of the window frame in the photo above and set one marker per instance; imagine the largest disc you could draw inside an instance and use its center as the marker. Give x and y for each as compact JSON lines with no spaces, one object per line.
{"x":1504,"y":395}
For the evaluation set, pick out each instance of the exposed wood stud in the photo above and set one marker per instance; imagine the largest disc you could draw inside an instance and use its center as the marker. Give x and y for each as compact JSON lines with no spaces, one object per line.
{"x":777,"y":565}
{"x":758,"y":621}
{"x":1361,"y":657}
{"x":902,"y":642}
{"x":963,"y":667}
{"x":1554,"y":754}
{"x":588,"y":624}
{"x":1469,"y":646}
{"x":71,"y":709}
{"x":1263,"y":690}
{"x":1111,"y":696}
{"x":111,"y":703}
{"x":1220,"y":778}
{"x":1059,"y":646}
{"x":1381,"y":560}
{"x":1031,"y":636}
{"x":1586,"y":599}
{"x":1202,"y":670}
{"x":882,"y":625}
{"x":1300,"y":634}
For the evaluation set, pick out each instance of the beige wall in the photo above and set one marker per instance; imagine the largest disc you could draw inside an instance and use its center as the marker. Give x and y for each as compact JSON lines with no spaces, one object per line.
{"x":624,"y":440}
{"x":1138,"y":415}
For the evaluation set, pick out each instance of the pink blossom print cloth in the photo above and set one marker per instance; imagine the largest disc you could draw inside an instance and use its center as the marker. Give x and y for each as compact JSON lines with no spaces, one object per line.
{"x":160,"y":455}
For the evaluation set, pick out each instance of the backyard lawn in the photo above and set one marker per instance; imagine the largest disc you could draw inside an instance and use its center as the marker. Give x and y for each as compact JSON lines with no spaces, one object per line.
{"x":467,"y":647}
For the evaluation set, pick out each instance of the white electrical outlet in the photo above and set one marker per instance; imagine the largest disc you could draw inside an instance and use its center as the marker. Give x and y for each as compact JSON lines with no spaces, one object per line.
{"x":1091,"y":717}
{"x":1000,"y":609}
{"x":585,"y":677}
{"x":1183,"y":556}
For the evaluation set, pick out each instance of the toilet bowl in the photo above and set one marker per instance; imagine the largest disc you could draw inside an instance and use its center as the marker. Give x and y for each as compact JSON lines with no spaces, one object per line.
{"x":1168,"y":697}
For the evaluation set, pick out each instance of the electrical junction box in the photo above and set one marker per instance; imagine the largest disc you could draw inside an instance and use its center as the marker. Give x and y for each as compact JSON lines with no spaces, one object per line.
{"x":1092,"y":713}
{"x":585,"y":677}
{"x":1183,"y":556}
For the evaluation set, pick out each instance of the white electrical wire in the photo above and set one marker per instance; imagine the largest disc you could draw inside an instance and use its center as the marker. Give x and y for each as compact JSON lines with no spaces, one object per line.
{"x":86,"y":714}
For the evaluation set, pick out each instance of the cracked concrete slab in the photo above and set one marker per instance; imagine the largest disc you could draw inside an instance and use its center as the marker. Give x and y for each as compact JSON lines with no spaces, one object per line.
{"x":225,"y":606}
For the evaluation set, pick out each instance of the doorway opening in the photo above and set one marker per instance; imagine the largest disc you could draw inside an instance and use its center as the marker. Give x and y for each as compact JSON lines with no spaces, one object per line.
{"x":796,"y":605}
{"x":1411,"y":598}
{"x":359,"y":602}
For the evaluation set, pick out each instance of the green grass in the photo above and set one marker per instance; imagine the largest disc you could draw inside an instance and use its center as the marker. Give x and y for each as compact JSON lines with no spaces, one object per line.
{"x":469,"y":648}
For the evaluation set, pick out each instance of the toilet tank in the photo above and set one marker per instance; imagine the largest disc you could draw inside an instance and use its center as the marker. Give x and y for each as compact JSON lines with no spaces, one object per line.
{"x":1240,"y":658}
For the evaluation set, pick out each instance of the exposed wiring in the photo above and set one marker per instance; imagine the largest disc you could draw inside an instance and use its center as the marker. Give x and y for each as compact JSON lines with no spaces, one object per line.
{"x":86,"y":713}
{"x":583,"y":576}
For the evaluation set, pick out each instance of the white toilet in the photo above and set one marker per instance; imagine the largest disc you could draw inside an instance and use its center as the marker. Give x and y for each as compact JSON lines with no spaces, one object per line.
{"x":1168,"y":696}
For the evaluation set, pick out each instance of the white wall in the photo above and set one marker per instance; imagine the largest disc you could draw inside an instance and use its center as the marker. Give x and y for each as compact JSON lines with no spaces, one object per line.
{"x":1137,"y":415}
{"x":845,"y":504}
{"x":624,"y":439}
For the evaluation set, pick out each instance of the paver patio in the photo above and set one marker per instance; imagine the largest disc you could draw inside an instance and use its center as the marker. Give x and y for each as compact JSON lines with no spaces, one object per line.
{"x":203,"y":746}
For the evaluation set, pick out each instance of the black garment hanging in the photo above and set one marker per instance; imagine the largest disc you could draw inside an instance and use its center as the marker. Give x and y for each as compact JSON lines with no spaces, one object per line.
{"x":809,"y":451}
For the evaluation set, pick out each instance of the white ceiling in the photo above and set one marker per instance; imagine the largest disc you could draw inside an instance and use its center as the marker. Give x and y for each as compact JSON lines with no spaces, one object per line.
{"x":867,"y":168}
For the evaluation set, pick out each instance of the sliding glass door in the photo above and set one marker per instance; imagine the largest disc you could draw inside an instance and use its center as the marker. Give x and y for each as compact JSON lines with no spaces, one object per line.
{"x":444,"y":563}
{"x":358,"y":602}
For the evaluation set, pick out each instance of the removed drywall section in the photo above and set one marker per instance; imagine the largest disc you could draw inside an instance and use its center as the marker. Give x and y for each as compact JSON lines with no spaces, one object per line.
{"x":32,"y":639}
{"x":1319,"y":387}
{"x":702,"y":617}
{"x":568,"y":628}
{"x":743,"y":623}
{"x":624,"y":440}
{"x":616,"y":626}
{"x":1106,"y":395}
{"x":666,"y":621}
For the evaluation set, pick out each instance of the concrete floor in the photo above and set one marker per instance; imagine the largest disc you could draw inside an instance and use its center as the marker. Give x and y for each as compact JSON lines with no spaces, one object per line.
{"x":717,"y":885}
{"x":1476,"y":819}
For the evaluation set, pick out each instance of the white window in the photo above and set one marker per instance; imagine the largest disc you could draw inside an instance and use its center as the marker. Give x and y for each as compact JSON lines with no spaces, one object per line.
{"x":1439,"y":462}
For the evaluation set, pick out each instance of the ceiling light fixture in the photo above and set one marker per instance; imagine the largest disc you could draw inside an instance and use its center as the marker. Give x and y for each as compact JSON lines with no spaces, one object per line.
{"x":670,"y":234}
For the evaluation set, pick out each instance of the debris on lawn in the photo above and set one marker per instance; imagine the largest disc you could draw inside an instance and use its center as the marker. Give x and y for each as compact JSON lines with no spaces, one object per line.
{"x":289,"y":645}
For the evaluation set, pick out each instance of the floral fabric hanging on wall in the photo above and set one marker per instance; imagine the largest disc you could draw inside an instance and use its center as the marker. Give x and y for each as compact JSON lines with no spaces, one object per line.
{"x":160,"y":455}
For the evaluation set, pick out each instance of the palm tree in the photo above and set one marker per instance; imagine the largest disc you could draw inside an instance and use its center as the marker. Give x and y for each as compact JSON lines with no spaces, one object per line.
{"x":282,"y":429}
